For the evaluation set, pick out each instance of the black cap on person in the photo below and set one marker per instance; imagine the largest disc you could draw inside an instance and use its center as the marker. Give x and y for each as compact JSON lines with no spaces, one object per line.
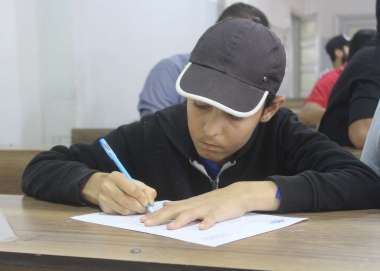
{"x":234,"y":66}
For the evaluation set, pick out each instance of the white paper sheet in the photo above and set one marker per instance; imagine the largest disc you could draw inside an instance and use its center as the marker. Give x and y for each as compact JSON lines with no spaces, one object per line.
{"x":6,"y":232}
{"x":224,"y":232}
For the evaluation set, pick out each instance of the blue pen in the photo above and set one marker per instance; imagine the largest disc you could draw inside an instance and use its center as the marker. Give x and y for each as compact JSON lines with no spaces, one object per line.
{"x":111,"y":154}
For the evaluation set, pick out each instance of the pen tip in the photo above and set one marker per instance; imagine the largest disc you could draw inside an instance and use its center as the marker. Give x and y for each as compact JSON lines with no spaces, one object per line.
{"x":149,"y":208}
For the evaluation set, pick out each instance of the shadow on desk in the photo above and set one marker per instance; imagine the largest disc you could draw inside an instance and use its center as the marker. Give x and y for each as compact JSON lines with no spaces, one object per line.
{"x":12,"y":165}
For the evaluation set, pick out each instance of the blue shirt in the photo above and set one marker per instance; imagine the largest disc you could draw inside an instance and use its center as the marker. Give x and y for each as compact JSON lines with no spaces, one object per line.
{"x":159,"y":89}
{"x":211,"y":167}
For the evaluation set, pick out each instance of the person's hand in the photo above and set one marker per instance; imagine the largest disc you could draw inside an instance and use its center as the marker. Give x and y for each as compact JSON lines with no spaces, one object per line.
{"x":222,"y":204}
{"x":115,"y":194}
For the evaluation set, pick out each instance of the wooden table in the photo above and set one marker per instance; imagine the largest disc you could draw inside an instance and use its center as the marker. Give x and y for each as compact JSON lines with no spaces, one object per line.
{"x":50,"y":240}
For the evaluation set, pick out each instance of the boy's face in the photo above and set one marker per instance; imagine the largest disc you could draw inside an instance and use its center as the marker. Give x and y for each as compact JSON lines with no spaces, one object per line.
{"x":216,"y":135}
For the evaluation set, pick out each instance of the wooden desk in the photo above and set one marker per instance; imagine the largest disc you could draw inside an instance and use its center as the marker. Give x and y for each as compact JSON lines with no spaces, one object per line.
{"x":49,"y":240}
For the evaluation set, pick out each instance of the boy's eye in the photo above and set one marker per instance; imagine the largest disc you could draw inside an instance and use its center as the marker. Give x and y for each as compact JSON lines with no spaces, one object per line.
{"x":232,"y":117}
{"x":201,"y":105}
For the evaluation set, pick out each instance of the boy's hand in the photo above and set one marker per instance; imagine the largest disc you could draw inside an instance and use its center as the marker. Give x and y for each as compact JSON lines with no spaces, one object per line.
{"x":222,"y":204}
{"x":115,"y":194}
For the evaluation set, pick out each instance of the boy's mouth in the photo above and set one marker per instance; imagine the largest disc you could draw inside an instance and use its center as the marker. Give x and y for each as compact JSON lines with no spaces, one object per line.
{"x":210,"y":146}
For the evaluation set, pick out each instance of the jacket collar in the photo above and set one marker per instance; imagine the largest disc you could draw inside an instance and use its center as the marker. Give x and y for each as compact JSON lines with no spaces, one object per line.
{"x":173,"y":120}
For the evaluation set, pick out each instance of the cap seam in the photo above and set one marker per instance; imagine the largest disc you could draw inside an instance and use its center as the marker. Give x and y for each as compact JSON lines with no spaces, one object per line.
{"x":233,"y":76}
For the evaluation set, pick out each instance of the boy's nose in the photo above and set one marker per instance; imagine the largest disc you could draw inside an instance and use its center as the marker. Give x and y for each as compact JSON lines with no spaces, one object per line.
{"x":214,"y":123}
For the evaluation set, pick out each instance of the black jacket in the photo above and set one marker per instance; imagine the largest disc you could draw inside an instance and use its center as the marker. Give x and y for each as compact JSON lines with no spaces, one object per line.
{"x":312,"y":173}
{"x":354,"y":96}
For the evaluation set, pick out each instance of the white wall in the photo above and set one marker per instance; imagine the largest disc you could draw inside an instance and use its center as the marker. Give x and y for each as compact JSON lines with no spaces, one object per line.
{"x":10,"y":97}
{"x":28,"y":71}
{"x":83,"y":63}
{"x":56,"y":59}
{"x":327,"y":19}
{"x":116,"y":46}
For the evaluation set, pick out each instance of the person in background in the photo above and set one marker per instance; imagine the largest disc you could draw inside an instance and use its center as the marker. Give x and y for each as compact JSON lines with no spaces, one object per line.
{"x":371,"y":149}
{"x":159,"y":88}
{"x":229,"y":150}
{"x":315,"y":104}
{"x":354,"y":97}
{"x":338,"y":49}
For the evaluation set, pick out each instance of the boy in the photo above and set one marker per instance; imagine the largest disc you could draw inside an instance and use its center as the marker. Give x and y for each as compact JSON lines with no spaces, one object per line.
{"x":229,"y":150}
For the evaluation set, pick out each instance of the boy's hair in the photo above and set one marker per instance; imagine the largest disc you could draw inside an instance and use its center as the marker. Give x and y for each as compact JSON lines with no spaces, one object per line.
{"x":337,"y":42}
{"x":362,"y":38}
{"x":244,"y":11}
{"x":269,"y":100}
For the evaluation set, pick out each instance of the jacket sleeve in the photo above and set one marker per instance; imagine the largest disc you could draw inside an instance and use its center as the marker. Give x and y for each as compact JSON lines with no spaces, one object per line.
{"x":322,"y":175}
{"x":59,"y":174}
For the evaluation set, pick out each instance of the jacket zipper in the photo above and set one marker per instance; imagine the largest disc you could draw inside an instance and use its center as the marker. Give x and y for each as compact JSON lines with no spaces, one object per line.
{"x":202,"y":169}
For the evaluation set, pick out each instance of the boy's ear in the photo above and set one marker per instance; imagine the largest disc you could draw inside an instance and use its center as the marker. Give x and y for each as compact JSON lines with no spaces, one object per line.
{"x":272,"y":109}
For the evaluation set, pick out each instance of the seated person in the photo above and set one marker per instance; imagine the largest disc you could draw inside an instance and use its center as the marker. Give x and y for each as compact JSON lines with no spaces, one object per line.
{"x":159,"y":88}
{"x":371,"y":150}
{"x":227,"y":151}
{"x":354,"y":98}
{"x":315,"y":104}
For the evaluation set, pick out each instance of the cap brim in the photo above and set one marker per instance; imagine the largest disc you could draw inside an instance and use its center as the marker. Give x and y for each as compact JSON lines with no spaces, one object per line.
{"x":219,"y":90}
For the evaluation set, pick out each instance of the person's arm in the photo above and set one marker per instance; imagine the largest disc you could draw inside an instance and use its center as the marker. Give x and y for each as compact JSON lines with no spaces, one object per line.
{"x":159,"y":88}
{"x":84,"y":173}
{"x":357,"y":132}
{"x":315,"y":104}
{"x":362,"y":107}
{"x":218,"y":205}
{"x":321,"y":176}
{"x":311,"y":114}
{"x":371,"y":149}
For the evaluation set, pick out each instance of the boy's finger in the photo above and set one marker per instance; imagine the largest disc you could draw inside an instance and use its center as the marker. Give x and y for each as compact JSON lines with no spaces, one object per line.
{"x":159,"y":217}
{"x":150,"y":193}
{"x":110,"y":206}
{"x":131,"y":188}
{"x":207,"y":223}
{"x":111,"y":190}
{"x":183,"y":219}
{"x":129,"y":203}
